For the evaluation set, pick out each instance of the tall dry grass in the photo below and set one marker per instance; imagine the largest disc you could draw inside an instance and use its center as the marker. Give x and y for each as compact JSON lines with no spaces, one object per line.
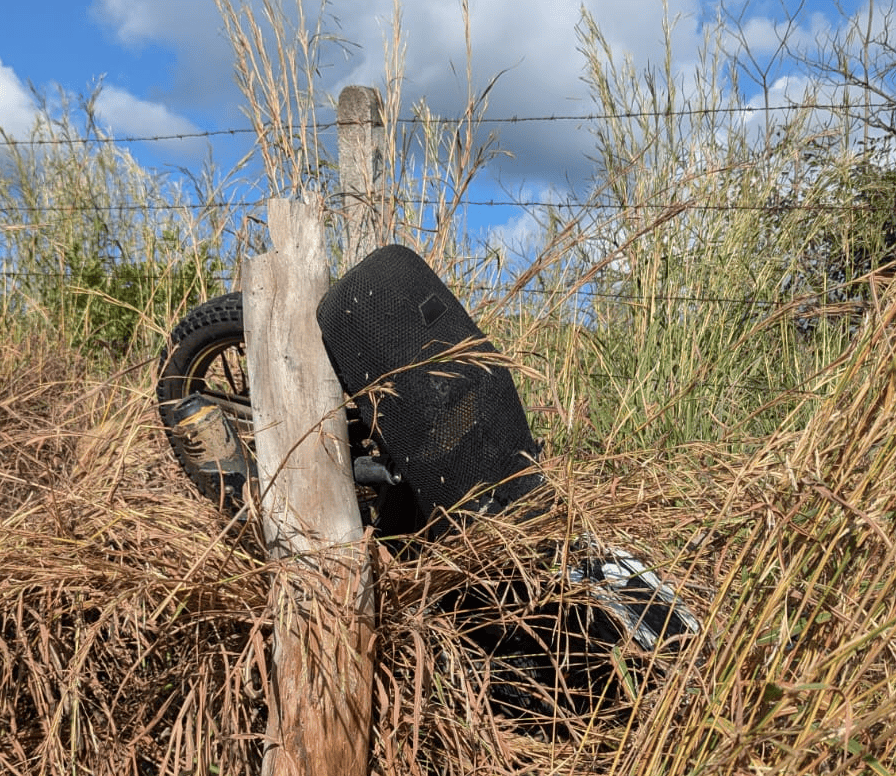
{"x":135,"y":623}
{"x":751,"y":461}
{"x":105,"y":251}
{"x":127,"y":621}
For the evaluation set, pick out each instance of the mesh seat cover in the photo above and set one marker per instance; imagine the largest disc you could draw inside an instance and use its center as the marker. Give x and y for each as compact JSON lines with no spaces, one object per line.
{"x":449,"y":427}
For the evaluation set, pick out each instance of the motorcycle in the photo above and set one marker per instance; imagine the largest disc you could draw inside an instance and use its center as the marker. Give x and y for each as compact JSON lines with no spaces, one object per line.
{"x":439,"y":439}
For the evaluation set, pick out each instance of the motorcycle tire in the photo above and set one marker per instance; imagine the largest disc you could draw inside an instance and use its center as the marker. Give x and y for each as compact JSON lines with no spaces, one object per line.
{"x":205,"y":356}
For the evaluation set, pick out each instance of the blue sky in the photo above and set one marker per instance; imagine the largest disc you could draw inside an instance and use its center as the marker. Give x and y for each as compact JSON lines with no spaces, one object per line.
{"x":166,"y":66}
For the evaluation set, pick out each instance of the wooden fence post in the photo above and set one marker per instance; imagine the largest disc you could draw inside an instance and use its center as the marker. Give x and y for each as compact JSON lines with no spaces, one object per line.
{"x":361,"y":140}
{"x":320,"y":697}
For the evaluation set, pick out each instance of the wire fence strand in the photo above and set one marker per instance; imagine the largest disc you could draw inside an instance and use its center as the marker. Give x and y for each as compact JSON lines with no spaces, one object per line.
{"x":458,"y":120}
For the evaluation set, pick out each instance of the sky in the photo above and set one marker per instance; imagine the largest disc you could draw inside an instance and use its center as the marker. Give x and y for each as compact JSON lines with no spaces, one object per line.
{"x":166,"y":67}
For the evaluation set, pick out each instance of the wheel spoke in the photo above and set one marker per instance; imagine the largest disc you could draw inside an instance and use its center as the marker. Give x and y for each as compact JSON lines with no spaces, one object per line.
{"x":228,"y":372}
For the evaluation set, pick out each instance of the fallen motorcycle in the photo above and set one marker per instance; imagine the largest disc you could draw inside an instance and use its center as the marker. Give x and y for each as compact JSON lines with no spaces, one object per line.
{"x":438,"y":438}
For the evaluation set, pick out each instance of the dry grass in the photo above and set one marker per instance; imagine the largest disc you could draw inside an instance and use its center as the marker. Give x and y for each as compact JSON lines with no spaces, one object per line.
{"x":136,"y":621}
{"x":130,"y":628}
{"x":135,"y":627}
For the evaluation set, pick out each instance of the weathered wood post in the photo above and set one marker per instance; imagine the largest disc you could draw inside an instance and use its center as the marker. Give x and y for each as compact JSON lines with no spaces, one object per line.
{"x":320,"y":699}
{"x":361,"y":148}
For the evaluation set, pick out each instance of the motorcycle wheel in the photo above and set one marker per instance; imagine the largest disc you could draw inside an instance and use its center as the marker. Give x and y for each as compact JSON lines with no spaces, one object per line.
{"x":205,"y":356}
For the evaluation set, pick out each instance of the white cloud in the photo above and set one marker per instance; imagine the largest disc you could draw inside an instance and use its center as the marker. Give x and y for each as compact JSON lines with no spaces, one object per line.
{"x":139,"y":22}
{"x":523,"y":232}
{"x":520,"y":234}
{"x":762,"y":35}
{"x":17,"y":108}
{"x":790,"y":89}
{"x":534,"y":41}
{"x":132,"y":21}
{"x":128,"y":116}
{"x":121,"y":112}
{"x":202,"y":75}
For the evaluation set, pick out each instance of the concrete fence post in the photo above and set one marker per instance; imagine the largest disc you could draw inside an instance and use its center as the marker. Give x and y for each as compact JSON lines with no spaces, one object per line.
{"x":361,"y":146}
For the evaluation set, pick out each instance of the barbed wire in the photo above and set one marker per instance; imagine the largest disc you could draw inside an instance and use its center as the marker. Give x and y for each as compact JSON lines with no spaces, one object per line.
{"x":596,"y":297}
{"x":469,"y":203}
{"x":464,"y":119}
{"x":236,"y":204}
{"x":131,"y":207}
{"x":39,"y":141}
{"x":529,"y":203}
{"x":496,"y":292}
{"x":753,"y":385}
